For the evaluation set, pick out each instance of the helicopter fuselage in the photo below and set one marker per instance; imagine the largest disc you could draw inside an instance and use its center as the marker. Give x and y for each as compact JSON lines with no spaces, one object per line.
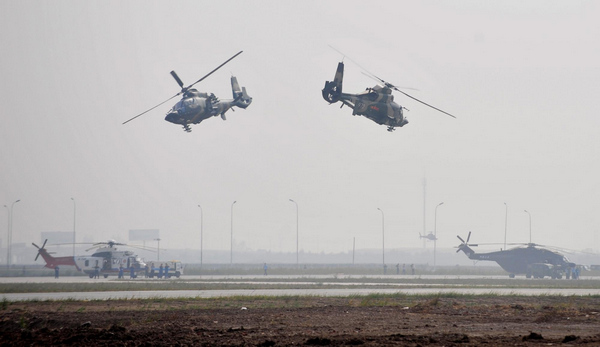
{"x":520,"y":260}
{"x":108,"y":261}
{"x":376,"y":104}
{"x":193,"y":108}
{"x":196,"y":106}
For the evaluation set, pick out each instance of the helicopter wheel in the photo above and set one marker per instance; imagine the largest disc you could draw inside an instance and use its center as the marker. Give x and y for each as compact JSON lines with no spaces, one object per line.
{"x":187,"y":128}
{"x":390,"y":129}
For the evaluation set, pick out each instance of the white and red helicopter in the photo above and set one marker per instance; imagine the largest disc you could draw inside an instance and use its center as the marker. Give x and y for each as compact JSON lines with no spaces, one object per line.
{"x":105,"y":261}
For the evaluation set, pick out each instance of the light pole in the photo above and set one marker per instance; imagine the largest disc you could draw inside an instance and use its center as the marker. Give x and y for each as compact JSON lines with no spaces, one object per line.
{"x":296,"y":231}
{"x":157,"y":249}
{"x":231,"y":248}
{"x":505,"y":224}
{"x":201,"y":242}
{"x":435,"y":232}
{"x":10,"y":227}
{"x":7,"y":231}
{"x":382,"y":237}
{"x":529,"y":225}
{"x":74,"y":215}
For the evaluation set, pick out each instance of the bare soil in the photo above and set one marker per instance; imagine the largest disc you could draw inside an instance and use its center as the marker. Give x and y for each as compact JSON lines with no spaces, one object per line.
{"x":312,"y":321}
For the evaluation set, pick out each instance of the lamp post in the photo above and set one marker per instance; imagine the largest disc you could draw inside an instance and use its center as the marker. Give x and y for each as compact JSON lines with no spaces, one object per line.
{"x":74,"y":215}
{"x":201,"y":227}
{"x":9,"y":240}
{"x":382,"y":237}
{"x":435,"y":232}
{"x":231,"y":248}
{"x":7,"y":231}
{"x":157,"y":249}
{"x":529,"y":225}
{"x":505,"y":224}
{"x":297,"y":217}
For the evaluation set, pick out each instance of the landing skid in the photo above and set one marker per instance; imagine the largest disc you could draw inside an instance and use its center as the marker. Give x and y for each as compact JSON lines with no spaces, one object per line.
{"x":187,"y":128}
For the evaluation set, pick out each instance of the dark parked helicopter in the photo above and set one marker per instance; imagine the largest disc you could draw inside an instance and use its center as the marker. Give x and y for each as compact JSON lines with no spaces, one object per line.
{"x":531,"y":261}
{"x":194,"y":107}
{"x":375,"y":103}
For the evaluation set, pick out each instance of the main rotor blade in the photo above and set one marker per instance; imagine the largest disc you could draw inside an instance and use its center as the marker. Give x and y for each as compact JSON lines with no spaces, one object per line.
{"x":424,"y":103}
{"x":177,"y":79}
{"x":217,"y":68}
{"x":387,"y":84}
{"x":129,"y":120}
{"x":352,"y":60}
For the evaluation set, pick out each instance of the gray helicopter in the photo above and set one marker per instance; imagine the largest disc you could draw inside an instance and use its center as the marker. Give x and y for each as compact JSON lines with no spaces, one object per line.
{"x":375,"y":103}
{"x":532,"y":260}
{"x":195,"y":106}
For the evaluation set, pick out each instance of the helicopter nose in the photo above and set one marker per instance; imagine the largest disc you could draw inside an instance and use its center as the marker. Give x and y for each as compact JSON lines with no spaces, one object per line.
{"x":173,"y":117}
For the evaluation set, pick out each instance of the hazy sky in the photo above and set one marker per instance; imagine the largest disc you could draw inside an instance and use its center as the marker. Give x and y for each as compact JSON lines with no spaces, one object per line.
{"x":522,"y":77}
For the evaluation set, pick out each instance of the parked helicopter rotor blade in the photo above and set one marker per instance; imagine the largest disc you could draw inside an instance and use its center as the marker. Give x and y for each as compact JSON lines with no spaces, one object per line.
{"x":148,"y":110}
{"x":468,"y":237}
{"x":210,"y":73}
{"x":460,"y":238}
{"x":38,"y":254}
{"x":89,"y":249}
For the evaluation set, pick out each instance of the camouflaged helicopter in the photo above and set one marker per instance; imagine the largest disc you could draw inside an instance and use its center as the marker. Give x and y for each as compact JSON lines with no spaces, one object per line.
{"x":194,"y":107}
{"x":376,"y":103}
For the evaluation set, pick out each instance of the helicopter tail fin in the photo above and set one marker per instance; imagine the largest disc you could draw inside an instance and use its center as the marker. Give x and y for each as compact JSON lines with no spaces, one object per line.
{"x":332,"y":91}
{"x":464,"y":246}
{"x":52,"y":262}
{"x":241,"y":99}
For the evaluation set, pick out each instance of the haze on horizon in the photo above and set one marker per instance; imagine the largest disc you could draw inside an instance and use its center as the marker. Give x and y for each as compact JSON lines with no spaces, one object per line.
{"x":521,"y":77}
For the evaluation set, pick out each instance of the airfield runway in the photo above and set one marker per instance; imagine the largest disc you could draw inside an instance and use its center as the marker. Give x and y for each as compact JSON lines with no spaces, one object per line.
{"x":405,"y":288}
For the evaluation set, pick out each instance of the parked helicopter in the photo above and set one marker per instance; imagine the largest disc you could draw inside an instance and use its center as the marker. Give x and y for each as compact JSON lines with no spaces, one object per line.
{"x":106,"y":260}
{"x":377,"y":103}
{"x":429,"y":236}
{"x":531,"y":261}
{"x":194,"y":107}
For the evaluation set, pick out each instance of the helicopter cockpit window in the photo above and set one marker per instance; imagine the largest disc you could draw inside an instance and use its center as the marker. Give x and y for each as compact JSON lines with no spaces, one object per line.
{"x":189,"y":103}
{"x":178,"y":105}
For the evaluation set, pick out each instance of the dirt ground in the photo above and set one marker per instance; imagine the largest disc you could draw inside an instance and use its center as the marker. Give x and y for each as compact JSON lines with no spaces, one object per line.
{"x":369,"y":321}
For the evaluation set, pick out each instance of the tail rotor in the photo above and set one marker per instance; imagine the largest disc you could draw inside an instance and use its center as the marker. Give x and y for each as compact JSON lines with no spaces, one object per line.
{"x":39,"y":249}
{"x":465,"y":245}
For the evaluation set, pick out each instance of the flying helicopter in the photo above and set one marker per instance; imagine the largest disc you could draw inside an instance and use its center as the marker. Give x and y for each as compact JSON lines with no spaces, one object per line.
{"x":376,"y":103}
{"x":429,"y":236}
{"x":106,"y":259}
{"x":531,"y":260}
{"x":195,"y":106}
